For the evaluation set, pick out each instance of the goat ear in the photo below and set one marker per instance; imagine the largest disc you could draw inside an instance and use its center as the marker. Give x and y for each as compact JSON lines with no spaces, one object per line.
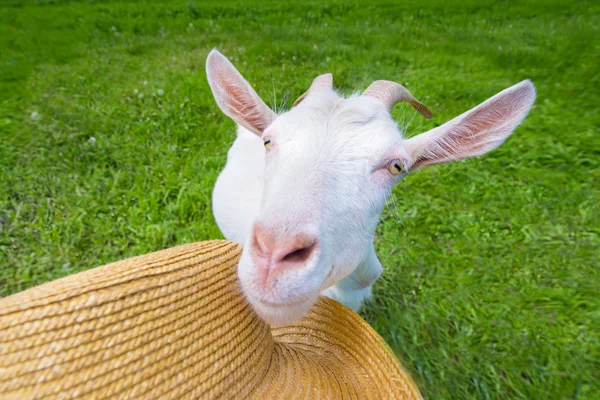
{"x":475,"y":132}
{"x":235,"y":96}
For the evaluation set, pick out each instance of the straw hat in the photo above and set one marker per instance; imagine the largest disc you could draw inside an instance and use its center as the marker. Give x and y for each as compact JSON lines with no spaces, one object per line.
{"x":174,"y":324}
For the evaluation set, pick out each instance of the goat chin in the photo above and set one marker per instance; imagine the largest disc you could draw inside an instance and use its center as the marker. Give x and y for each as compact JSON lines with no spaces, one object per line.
{"x":281,"y":314}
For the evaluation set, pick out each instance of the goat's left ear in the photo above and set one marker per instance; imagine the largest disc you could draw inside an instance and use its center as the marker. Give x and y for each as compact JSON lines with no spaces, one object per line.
{"x":475,"y":132}
{"x":235,"y":96}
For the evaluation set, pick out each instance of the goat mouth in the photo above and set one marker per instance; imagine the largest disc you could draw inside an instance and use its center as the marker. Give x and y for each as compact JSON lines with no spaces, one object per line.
{"x":282,"y":304}
{"x":278,"y":304}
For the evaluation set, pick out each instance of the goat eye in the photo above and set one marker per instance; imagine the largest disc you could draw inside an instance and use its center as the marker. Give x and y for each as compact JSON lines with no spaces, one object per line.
{"x":267,"y":142}
{"x":395,"y":167}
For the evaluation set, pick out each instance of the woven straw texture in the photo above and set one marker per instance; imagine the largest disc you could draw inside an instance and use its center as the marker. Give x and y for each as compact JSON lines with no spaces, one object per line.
{"x":174,"y":324}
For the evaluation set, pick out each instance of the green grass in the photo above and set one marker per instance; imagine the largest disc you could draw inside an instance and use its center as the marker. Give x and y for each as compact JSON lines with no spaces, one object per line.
{"x":492,"y":282}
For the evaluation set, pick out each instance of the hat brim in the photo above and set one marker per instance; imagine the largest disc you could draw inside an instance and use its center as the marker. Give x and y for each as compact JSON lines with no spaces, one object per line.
{"x":174,"y":324}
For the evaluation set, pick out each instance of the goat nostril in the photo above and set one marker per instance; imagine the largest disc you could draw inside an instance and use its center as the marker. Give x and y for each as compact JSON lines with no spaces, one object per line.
{"x":262,"y":241}
{"x":300,"y":255}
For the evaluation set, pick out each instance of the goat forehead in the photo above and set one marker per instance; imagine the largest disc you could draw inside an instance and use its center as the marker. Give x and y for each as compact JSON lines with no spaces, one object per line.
{"x":356,"y":126}
{"x":327,"y":108}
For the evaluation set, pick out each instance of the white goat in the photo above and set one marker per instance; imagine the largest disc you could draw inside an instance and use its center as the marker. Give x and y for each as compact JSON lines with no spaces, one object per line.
{"x":303,"y":190}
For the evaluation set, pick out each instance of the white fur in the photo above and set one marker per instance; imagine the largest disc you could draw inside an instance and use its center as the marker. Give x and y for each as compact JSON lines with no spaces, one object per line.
{"x":326,"y":175}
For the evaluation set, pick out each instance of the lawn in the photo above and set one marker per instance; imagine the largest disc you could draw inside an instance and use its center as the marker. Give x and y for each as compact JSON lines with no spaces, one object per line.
{"x":110,"y":143}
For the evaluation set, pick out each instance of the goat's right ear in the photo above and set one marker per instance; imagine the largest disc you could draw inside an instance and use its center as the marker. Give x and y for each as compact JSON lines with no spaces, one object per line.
{"x":235,"y":96}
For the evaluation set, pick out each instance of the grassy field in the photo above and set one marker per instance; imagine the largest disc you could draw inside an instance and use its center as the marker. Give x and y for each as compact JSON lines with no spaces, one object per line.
{"x":110,"y":143}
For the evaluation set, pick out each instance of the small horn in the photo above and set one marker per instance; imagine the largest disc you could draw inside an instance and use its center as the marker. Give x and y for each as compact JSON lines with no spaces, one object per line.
{"x":391,"y":93}
{"x":324,"y":81}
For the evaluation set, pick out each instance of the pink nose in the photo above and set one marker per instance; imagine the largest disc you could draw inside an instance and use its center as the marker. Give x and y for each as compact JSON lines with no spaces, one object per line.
{"x":272,"y":252}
